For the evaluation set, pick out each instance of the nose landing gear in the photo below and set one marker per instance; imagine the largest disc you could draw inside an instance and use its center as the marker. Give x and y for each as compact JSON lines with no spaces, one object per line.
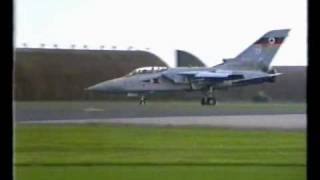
{"x":142,"y":100}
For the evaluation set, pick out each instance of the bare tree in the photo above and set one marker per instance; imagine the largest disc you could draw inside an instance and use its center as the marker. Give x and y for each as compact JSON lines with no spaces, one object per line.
{"x":73,"y":46}
{"x":25,"y":45}
{"x":114,"y":47}
{"x":42,"y":45}
{"x":85,"y":46}
{"x":102,"y":47}
{"x":55,"y":46}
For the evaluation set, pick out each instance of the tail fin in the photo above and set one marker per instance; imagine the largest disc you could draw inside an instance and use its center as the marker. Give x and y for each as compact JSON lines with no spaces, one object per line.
{"x":259,"y":55}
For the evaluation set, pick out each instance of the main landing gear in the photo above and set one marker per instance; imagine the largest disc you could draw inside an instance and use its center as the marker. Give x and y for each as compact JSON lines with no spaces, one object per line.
{"x":209,"y":98}
{"x":208,"y":101}
{"x":142,"y":100}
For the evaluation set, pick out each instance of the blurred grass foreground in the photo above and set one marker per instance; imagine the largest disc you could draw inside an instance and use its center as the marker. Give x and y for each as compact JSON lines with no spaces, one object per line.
{"x":127,"y":152}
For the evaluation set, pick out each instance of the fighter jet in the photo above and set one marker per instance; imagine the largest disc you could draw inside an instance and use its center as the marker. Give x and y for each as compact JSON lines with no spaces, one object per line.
{"x":252,"y":66}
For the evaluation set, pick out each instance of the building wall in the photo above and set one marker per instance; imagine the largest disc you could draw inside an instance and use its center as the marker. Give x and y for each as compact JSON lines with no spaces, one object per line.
{"x":56,"y":74}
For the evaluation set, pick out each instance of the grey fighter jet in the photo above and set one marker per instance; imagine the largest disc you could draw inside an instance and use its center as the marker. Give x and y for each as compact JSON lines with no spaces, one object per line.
{"x":252,"y":66}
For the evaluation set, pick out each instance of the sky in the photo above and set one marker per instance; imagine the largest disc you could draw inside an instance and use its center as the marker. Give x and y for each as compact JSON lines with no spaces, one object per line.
{"x":211,"y":30}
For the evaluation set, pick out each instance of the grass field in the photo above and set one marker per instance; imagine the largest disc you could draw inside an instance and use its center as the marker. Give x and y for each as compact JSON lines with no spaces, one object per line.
{"x":125,"y":152}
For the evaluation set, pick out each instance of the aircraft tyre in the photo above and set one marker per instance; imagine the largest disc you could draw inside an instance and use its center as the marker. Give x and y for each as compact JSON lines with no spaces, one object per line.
{"x":211,"y":101}
{"x":204,"y":101}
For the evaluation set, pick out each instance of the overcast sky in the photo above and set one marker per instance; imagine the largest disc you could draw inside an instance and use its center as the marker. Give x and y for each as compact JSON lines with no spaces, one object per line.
{"x":211,"y":30}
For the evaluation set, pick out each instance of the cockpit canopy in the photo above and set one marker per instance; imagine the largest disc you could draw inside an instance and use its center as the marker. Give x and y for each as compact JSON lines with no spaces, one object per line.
{"x":148,"y":69}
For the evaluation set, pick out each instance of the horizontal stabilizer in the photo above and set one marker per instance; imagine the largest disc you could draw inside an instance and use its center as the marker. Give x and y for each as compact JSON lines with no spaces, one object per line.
{"x":257,"y":80}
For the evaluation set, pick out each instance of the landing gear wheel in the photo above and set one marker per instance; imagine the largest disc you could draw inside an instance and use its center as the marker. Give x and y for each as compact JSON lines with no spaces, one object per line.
{"x":212,"y":101}
{"x":209,"y":97}
{"x":204,"y":101}
{"x":208,"y":101}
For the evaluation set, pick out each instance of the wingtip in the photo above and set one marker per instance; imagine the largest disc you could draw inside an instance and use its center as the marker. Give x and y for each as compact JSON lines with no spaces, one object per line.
{"x":276,"y":74}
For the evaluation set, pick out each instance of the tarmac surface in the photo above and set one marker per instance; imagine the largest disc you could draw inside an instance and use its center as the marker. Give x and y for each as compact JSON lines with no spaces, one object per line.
{"x":226,"y":115}
{"x":280,"y":121}
{"x":29,"y":111}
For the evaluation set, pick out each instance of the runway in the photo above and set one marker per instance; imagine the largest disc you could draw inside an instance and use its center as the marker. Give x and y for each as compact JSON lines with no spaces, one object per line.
{"x":65,"y":110}
{"x":278,"y":121}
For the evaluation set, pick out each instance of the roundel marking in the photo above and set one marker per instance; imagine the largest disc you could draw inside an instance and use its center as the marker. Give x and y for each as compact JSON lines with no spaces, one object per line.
{"x":272,"y":40}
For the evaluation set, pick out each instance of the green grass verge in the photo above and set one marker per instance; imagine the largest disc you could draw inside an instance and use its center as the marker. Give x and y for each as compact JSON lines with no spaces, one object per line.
{"x":161,"y":173}
{"x":126,"y":152}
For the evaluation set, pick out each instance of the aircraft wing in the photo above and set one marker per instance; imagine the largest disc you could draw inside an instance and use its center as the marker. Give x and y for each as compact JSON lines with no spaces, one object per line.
{"x":208,"y":75}
{"x":199,"y":79}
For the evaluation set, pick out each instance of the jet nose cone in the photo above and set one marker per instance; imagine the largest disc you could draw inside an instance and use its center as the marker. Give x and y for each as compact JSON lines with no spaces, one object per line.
{"x":115,"y":85}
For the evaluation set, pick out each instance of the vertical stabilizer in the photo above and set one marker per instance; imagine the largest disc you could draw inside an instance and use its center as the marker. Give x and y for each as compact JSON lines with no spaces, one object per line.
{"x":259,"y":55}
